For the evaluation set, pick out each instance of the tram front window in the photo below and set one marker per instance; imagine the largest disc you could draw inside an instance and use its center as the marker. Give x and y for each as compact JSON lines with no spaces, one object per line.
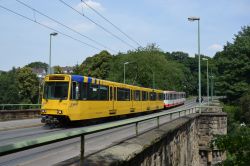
{"x":56,"y":90}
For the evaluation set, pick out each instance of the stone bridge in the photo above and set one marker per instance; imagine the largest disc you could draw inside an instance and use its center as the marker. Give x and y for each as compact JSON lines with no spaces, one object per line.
{"x":181,"y":142}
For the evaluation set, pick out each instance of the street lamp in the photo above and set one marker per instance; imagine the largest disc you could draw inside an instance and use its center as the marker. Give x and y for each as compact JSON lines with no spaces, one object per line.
{"x":124,"y":71}
{"x":52,"y":34}
{"x":212,"y":87}
{"x":205,"y":59}
{"x":198,"y":19}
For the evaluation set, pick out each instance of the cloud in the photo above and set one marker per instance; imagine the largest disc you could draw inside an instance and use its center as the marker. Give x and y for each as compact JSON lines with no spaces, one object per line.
{"x":96,"y":5}
{"x":215,"y":47}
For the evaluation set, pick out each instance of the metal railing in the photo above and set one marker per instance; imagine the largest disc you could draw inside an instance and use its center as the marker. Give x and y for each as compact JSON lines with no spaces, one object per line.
{"x":81,"y":132}
{"x":19,"y":106}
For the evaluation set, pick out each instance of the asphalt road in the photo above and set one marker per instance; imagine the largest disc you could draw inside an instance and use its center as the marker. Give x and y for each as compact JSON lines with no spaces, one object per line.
{"x":57,"y":152}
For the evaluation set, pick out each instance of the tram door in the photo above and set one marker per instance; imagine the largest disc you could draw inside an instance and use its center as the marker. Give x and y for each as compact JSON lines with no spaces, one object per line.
{"x":132,"y":108}
{"x":113,"y":99}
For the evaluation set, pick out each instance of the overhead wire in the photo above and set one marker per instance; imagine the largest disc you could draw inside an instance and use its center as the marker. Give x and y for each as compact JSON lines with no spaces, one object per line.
{"x":48,"y":27}
{"x":98,"y":13}
{"x":100,"y":44}
{"x":97,"y":24}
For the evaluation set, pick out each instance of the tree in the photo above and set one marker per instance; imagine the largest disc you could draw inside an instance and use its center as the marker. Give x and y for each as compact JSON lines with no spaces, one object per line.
{"x":37,"y":65}
{"x":237,"y":145}
{"x":148,"y":67}
{"x":8,"y":87}
{"x":58,"y":70}
{"x":178,"y":56}
{"x":244,"y":111}
{"x":77,"y":70}
{"x":27,"y":83}
{"x":233,"y":65}
{"x":97,"y":66}
{"x":19,"y":86}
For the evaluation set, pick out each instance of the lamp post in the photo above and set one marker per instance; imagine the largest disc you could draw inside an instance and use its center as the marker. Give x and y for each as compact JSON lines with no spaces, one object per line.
{"x":205,"y":59}
{"x":212,"y":87}
{"x":199,"y":65}
{"x":52,"y":34}
{"x":124,"y":71}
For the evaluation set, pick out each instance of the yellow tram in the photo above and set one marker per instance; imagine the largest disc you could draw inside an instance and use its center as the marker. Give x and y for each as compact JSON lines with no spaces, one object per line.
{"x":74,"y":97}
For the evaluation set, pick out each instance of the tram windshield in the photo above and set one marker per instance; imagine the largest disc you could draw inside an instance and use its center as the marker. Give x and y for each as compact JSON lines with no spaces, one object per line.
{"x":56,"y":90}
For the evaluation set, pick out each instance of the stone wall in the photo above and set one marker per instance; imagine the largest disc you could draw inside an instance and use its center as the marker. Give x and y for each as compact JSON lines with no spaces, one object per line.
{"x":211,"y":124}
{"x":181,"y":142}
{"x":19,"y":114}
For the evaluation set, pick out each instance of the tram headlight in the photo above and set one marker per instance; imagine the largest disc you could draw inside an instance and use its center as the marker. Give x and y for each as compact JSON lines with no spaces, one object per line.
{"x":43,"y":111}
{"x":59,"y":112}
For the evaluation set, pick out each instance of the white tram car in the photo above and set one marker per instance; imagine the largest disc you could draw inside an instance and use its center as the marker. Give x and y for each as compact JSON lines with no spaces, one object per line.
{"x":173,"y":98}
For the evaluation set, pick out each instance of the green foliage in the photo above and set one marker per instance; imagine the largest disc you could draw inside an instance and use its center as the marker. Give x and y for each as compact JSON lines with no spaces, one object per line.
{"x":18,"y":86}
{"x":191,"y":71}
{"x":37,"y":65}
{"x":233,"y":65}
{"x":77,"y":70}
{"x":237,"y":144}
{"x":58,"y":70}
{"x":244,"y":111}
{"x":178,"y":56}
{"x":27,"y":83}
{"x":8,"y":89}
{"x":148,"y":67}
{"x":97,"y":66}
{"x":232,"y":117}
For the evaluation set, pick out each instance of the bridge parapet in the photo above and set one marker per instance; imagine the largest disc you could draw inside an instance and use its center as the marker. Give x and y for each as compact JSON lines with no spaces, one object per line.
{"x":19,"y":111}
{"x":183,"y":141}
{"x":6,"y":115}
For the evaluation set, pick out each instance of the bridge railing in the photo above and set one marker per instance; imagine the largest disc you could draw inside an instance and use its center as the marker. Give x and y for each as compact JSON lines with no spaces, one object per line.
{"x":19,"y":106}
{"x":82,"y":132}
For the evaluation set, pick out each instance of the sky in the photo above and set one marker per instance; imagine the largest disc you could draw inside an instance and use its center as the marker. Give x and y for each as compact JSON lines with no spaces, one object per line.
{"x":163,"y":22}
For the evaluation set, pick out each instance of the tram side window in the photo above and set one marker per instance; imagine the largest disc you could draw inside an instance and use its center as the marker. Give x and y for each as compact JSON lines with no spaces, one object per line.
{"x":92,"y":92}
{"x":137,"y":96}
{"x":75,"y":93}
{"x":160,"y":96}
{"x":144,"y":96}
{"x":84,"y":91}
{"x":103,"y":92}
{"x":123,"y":94}
{"x":152,"y":96}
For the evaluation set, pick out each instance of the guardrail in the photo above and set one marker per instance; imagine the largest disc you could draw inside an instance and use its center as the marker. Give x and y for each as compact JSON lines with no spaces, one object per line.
{"x":19,"y":106}
{"x":81,"y":132}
